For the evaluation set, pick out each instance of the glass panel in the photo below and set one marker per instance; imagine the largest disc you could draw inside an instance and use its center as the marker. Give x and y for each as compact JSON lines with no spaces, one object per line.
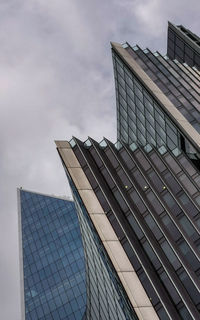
{"x":72,"y":142}
{"x":170,"y":255}
{"x":157,"y":183}
{"x":151,"y":255}
{"x":170,"y":288}
{"x":108,"y":178}
{"x":87,"y":143}
{"x":189,"y":256}
{"x":172,"y":183}
{"x":187,"y":226}
{"x":155,"y":203}
{"x":139,"y":179}
{"x":153,"y":226}
{"x":103,"y":144}
{"x":188,"y":184}
{"x":194,"y":294}
{"x":133,"y":146}
{"x":188,"y":205}
{"x":120,"y":200}
{"x":112,"y":158}
{"x":137,"y":201}
{"x":158,"y":163}
{"x":169,"y":200}
{"x":172,"y":229}
{"x":135,"y":226}
{"x":127,"y":159}
{"x":124,"y":179}
{"x":172,"y":163}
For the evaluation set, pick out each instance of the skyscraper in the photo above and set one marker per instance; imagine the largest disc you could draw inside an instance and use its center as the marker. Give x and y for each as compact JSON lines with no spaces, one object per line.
{"x":65,"y":275}
{"x":146,"y":187}
{"x":52,"y":258}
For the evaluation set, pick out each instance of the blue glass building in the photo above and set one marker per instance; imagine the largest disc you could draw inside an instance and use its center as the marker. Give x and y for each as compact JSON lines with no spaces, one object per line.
{"x":65,"y":272}
{"x":53,"y":272}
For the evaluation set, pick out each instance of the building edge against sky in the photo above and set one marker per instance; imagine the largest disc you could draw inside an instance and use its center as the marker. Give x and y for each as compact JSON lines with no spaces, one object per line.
{"x":47,"y":225}
{"x":133,"y":212}
{"x":137,"y":220}
{"x":96,"y":213}
{"x":65,"y":270}
{"x":167,"y":229}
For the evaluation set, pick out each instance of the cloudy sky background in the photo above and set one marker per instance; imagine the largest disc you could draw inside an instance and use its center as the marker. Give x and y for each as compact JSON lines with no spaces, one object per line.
{"x":56,"y":80}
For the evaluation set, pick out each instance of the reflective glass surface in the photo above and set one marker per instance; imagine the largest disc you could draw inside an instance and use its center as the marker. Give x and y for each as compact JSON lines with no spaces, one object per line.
{"x":140,"y":117}
{"x":158,"y":212}
{"x":107,"y":299}
{"x":53,"y":258}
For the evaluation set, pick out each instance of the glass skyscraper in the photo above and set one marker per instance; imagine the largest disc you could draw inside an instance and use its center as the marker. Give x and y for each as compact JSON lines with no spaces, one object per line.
{"x":53,"y":268}
{"x":128,"y":247}
{"x":65,"y":275}
{"x":146,"y":186}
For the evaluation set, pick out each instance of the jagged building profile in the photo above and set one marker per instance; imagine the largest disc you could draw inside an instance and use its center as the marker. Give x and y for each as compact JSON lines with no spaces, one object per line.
{"x":148,"y":182}
{"x":137,"y":200}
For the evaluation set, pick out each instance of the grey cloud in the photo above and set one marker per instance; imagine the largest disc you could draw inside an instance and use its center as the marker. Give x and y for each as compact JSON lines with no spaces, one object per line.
{"x":56,"y":80}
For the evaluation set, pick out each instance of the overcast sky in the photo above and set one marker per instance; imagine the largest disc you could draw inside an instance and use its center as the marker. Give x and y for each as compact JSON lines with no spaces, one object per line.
{"x":56,"y":80}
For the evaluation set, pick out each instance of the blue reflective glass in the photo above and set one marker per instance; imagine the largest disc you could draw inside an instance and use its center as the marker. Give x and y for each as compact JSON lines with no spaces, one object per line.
{"x":53,"y":258}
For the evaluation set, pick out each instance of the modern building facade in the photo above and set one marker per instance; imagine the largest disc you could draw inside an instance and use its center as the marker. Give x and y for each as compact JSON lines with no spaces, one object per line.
{"x":142,"y":194}
{"x":52,"y":261}
{"x":157,"y":100}
{"x":183,"y":45}
{"x":65,"y":275}
{"x":128,"y":247}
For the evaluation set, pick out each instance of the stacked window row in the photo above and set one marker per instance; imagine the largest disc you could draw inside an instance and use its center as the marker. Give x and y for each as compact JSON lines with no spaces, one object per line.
{"x":106,"y":207}
{"x":185,"y":251}
{"x":140,"y":118}
{"x":106,"y":297}
{"x":54,"y":269}
{"x":173,"y":81}
{"x":180,"y":50}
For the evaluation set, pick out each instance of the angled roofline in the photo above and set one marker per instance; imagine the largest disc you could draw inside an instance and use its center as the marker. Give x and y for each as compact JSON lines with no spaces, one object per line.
{"x":194,"y":44}
{"x":124,"y":269}
{"x":181,"y":122}
{"x":46,"y":195}
{"x":21,"y":269}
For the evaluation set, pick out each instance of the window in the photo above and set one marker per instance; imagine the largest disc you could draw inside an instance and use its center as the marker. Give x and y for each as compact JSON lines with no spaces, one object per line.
{"x":120,"y":200}
{"x":127,"y":159}
{"x":124,"y":179}
{"x":153,"y":226}
{"x":172,"y":229}
{"x":170,"y":255}
{"x":188,"y":205}
{"x":173,"y":184}
{"x":155,"y":203}
{"x":158,"y":184}
{"x":189,"y":256}
{"x":139,"y":179}
{"x":172,"y":163}
{"x":142,"y":160}
{"x":137,"y":201}
{"x":158,"y":163}
{"x":152,"y":256}
{"x":112,"y":158}
{"x":135,"y":226}
{"x":187,"y":226}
